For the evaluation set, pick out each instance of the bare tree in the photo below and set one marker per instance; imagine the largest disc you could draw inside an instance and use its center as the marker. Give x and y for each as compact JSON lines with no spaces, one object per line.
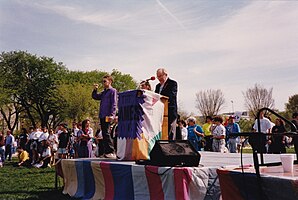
{"x":258,"y":97}
{"x":210,"y":102}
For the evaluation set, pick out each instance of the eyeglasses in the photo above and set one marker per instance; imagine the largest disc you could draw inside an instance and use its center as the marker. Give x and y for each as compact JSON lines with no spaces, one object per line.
{"x":104,"y":81}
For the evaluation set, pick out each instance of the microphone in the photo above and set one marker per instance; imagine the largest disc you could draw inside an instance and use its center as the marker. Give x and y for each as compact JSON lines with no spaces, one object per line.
{"x":152,"y":78}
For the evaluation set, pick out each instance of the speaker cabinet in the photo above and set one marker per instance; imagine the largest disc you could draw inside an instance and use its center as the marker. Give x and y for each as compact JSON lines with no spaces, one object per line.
{"x":174,"y":153}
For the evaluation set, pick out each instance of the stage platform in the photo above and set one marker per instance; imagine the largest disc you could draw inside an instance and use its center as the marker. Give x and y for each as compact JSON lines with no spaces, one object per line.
{"x":111,"y":179}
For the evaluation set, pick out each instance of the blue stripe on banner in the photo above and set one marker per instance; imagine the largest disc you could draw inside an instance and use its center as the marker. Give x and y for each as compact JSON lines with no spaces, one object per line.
{"x":86,"y":183}
{"x":81,"y":181}
{"x":123,"y":182}
{"x":89,"y":180}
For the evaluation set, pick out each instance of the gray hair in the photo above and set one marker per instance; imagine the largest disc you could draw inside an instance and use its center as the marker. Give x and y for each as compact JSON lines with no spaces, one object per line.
{"x":162,"y":70}
{"x":191,"y":119}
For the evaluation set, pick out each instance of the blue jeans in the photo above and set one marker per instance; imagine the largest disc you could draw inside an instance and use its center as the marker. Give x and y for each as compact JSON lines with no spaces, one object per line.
{"x":195,"y":143}
{"x":2,"y":154}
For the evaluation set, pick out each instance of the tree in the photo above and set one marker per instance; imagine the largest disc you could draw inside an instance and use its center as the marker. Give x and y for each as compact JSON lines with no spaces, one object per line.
{"x":210,"y":102}
{"x":292,"y":105}
{"x":258,"y":97}
{"x":31,"y":82}
{"x":76,"y":89}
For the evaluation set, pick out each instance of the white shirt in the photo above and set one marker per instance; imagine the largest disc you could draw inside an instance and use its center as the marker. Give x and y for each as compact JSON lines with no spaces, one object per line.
{"x":184,"y":133}
{"x":46,"y":152}
{"x":43,"y":136}
{"x":219,"y":130}
{"x":265,"y":123}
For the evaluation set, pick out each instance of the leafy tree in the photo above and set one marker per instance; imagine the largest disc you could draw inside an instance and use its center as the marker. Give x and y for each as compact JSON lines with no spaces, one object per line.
{"x":76,"y":89}
{"x":292,"y":105}
{"x":258,"y":97}
{"x":31,"y":82}
{"x":210,"y":102}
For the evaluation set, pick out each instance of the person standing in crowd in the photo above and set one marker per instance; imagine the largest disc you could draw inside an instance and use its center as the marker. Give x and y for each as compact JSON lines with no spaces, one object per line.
{"x":9,"y":142}
{"x":107,"y":112}
{"x":207,"y":133}
{"x":265,"y":126}
{"x":219,"y":134}
{"x":85,"y":136}
{"x":63,"y":138}
{"x":195,"y":133}
{"x":168,"y":88}
{"x":23,"y":138}
{"x":2,"y":149}
{"x":232,"y":141}
{"x":53,"y":143}
{"x":295,"y":138}
{"x":75,"y":131}
{"x":182,"y":125}
{"x":277,"y":143}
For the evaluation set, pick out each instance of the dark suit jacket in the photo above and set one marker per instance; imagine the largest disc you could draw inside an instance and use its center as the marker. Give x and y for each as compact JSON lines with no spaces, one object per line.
{"x":170,"y":90}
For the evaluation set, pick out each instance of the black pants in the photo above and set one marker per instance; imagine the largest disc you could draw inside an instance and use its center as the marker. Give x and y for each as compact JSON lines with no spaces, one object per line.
{"x":208,"y":146}
{"x":107,"y":145}
{"x":8,"y":151}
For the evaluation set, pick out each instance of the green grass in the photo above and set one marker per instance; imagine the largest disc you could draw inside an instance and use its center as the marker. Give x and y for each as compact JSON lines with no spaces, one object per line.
{"x":289,"y":150}
{"x":32,"y":183}
{"x":29,"y":183}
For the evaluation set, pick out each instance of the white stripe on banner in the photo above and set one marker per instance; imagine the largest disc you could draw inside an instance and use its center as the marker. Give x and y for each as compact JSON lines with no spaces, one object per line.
{"x":153,"y":115}
{"x":199,"y":184}
{"x":70,"y":177}
{"x":141,"y":190}
{"x":167,"y":181}
{"x":98,"y":181}
{"x":121,"y":146}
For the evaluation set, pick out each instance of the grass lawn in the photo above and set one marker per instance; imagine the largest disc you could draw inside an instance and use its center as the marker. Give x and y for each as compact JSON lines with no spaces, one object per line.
{"x":28,"y":183}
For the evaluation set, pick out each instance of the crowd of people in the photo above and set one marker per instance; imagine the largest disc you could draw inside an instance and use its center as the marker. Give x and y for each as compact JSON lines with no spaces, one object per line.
{"x":41,"y":147}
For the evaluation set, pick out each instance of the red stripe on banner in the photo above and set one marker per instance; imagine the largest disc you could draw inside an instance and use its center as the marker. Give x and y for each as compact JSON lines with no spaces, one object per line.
{"x":227,"y":186}
{"x":108,"y":179}
{"x":182,"y":178}
{"x":154,"y":183}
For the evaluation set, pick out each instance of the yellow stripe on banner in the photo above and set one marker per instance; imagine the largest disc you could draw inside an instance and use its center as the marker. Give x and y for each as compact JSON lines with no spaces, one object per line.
{"x":70,"y":176}
{"x":98,"y":180}
{"x":140,"y":149}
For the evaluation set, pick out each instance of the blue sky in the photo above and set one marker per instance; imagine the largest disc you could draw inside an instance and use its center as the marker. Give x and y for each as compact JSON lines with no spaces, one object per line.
{"x":227,"y":45}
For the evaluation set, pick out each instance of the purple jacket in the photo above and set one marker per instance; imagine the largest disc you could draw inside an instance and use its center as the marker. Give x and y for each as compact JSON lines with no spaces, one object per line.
{"x":108,"y":101}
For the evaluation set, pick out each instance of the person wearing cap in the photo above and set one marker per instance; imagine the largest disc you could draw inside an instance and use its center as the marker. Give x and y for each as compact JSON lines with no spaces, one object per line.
{"x":107,"y":112}
{"x":232,"y":141}
{"x":168,"y":88}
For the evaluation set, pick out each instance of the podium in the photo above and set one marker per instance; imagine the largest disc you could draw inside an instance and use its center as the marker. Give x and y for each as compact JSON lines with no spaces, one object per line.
{"x":142,"y":120}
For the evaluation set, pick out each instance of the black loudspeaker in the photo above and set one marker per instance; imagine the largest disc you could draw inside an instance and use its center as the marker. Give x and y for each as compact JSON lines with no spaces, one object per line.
{"x":174,"y":153}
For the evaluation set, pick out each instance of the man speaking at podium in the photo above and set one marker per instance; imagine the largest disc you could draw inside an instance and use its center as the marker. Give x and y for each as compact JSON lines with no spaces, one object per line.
{"x":168,"y":88}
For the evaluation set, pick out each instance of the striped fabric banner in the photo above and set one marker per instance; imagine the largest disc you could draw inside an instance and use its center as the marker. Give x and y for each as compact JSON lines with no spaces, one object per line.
{"x":97,"y":179}
{"x":139,"y":123}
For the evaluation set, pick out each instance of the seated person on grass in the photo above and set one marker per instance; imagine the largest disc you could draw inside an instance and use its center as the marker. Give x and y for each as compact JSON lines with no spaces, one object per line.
{"x":45,"y":158}
{"x":23,"y":156}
